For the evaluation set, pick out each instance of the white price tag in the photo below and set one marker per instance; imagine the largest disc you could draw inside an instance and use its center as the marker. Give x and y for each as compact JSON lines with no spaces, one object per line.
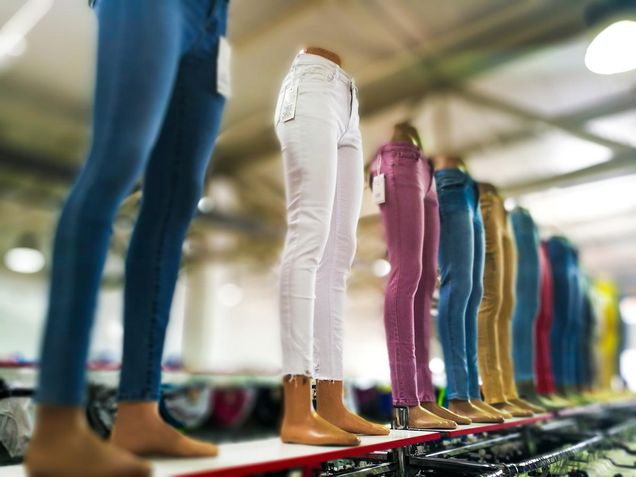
{"x":288,"y":110}
{"x":223,"y":74}
{"x":378,"y":189}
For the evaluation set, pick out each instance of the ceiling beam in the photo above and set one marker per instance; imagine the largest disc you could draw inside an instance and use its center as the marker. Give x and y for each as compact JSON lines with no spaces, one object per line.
{"x":37,"y":164}
{"x":483,"y":43}
{"x":532,"y":116}
{"x":620,"y":165}
{"x":615,"y":105}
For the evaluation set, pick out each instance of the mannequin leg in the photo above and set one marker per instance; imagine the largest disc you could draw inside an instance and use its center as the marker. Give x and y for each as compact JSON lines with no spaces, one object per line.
{"x":422,"y":311}
{"x":472,"y":311}
{"x":403,"y":216}
{"x":331,"y":279}
{"x":456,"y":285}
{"x":309,"y":145}
{"x":558,"y":260}
{"x":523,"y":408}
{"x":127,"y":119}
{"x":505,"y":325}
{"x":526,"y":305}
{"x":489,"y":311}
{"x":456,"y":259}
{"x":543,"y":363}
{"x":330,"y":406}
{"x":173,"y":184}
{"x":301,"y":424}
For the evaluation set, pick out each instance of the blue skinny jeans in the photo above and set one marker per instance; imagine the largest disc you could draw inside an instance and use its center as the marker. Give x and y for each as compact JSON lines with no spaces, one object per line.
{"x":461,"y":261}
{"x":156,"y":114}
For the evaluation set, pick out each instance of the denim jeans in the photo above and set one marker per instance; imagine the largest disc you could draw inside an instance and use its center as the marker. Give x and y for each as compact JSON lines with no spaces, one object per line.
{"x":504,"y":336}
{"x":410,"y":215}
{"x":586,"y":367}
{"x":563,"y":342}
{"x":610,"y":335}
{"x":490,"y":320}
{"x":527,"y":288}
{"x":543,"y":324}
{"x":156,"y":113}
{"x":461,"y":260}
{"x":317,"y":125}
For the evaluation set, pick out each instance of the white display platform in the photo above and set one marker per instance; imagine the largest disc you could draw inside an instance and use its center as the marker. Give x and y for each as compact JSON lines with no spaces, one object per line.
{"x":268,"y":455}
{"x":514,"y":422}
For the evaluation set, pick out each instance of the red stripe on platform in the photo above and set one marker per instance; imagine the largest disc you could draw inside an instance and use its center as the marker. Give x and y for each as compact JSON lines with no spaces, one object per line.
{"x":471,"y":429}
{"x":304,"y":461}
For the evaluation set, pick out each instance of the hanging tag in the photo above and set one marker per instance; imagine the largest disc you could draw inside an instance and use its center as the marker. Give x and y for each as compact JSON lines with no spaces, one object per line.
{"x":378,"y":189}
{"x":223,"y":75}
{"x":288,"y":110}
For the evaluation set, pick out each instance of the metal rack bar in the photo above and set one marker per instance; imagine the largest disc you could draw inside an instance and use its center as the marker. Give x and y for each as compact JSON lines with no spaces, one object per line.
{"x":551,"y":457}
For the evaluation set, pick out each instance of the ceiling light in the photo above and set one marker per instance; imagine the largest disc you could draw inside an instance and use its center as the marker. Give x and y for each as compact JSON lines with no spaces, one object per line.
{"x":628,"y":310}
{"x":436,"y":365}
{"x":14,"y":31}
{"x":206,"y":205}
{"x":611,"y":50}
{"x":25,"y":257}
{"x":381,"y":267}
{"x":509,"y":203}
{"x":230,"y":295}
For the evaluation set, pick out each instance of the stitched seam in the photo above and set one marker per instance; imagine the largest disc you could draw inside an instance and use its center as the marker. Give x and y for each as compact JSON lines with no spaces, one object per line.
{"x":332,"y":264}
{"x":397,"y":285}
{"x":155,"y":305}
{"x":290,"y":259}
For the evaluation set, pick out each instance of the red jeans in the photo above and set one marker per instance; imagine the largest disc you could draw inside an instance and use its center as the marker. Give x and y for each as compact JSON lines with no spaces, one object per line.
{"x":542,"y":360}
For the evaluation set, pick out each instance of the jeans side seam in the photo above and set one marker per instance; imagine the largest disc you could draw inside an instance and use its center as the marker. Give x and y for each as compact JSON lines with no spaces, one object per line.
{"x":310,"y":369}
{"x":452,"y":382}
{"x":148,"y":391}
{"x":336,"y":209}
{"x":392,"y":292}
{"x":397,"y":289}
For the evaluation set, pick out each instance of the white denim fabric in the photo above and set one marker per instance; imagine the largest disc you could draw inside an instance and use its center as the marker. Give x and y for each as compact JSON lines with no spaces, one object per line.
{"x":322,"y":156}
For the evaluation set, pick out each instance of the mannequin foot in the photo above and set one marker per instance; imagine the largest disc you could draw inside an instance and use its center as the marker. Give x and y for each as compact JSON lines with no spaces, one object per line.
{"x":560,"y":401}
{"x":528,"y":393}
{"x":444,"y":413}
{"x":140,"y":429}
{"x":476,"y":415}
{"x":484,"y":406}
{"x":549,"y":404}
{"x":512,"y":409}
{"x":301,"y":424}
{"x":420,"y":418}
{"x":314,"y":430}
{"x":522,"y":403}
{"x":331,"y":408}
{"x":63,"y":444}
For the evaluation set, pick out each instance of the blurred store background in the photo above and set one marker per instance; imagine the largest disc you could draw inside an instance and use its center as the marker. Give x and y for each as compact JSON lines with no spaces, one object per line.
{"x":504,"y":84}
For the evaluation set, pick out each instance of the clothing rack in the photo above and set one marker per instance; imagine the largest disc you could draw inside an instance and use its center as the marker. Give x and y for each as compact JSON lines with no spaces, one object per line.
{"x":536,"y":445}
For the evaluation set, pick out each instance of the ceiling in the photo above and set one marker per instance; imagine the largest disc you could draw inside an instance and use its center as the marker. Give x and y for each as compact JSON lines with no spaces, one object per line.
{"x":501,"y":83}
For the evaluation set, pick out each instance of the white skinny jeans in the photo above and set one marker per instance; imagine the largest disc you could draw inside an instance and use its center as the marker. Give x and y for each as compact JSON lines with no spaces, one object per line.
{"x":322,"y":156}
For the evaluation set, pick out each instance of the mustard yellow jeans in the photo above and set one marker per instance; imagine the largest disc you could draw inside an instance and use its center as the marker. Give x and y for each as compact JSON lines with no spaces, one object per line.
{"x":495,"y":313}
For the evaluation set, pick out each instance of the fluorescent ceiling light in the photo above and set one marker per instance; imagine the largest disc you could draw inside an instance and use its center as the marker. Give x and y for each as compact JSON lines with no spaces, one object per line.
{"x":230,"y":295}
{"x":24,"y":260}
{"x":436,"y":365}
{"x":582,"y":203}
{"x":612,"y":50}
{"x":381,"y":267}
{"x":628,"y":310}
{"x":14,"y":31}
